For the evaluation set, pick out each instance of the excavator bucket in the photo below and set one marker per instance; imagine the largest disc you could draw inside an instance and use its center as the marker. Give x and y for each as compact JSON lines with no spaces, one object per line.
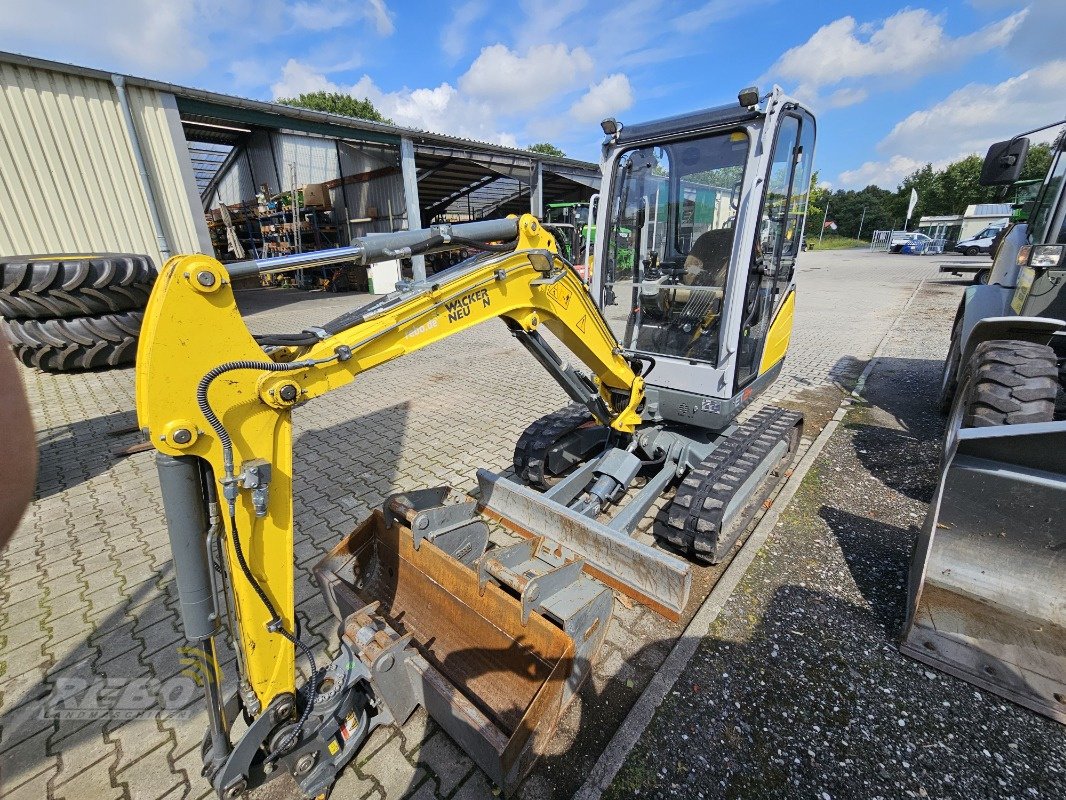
{"x":987,"y":593}
{"x":493,"y":645}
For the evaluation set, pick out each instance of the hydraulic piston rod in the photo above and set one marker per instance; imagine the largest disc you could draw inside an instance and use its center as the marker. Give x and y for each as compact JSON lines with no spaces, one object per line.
{"x":382,"y":246}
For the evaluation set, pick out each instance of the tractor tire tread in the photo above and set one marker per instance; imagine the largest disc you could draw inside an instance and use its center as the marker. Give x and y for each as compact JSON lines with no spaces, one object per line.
{"x":1013,"y":383}
{"x":57,"y":287}
{"x":67,"y":345}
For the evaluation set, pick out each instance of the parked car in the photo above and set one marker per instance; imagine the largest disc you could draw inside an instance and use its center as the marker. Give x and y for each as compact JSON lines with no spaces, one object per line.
{"x":922,"y":245}
{"x":902,"y":239}
{"x":981,"y":243}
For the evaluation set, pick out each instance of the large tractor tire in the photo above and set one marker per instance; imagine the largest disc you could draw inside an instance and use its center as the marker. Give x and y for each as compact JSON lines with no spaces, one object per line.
{"x":67,"y":345}
{"x":1009,"y":382}
{"x":59,"y":287}
{"x":1060,"y":401}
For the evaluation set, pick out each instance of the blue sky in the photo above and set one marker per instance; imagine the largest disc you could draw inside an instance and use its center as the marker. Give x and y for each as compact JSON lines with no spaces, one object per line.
{"x":894,"y":86}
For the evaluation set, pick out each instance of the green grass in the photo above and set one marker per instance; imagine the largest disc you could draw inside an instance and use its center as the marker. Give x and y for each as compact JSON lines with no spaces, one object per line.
{"x":834,"y":243}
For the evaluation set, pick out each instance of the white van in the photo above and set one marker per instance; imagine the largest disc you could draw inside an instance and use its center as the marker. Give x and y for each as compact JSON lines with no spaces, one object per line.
{"x":981,"y":243}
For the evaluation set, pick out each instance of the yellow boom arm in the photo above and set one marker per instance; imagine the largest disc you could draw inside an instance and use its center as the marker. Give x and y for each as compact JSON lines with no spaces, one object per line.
{"x":206,"y":388}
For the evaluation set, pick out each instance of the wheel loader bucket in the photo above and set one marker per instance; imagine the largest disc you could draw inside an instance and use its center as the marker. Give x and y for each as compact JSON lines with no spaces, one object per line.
{"x":492,"y":671}
{"x":987,"y":591}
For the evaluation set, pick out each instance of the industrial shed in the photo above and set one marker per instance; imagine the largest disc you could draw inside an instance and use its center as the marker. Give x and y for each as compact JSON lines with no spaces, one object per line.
{"x":92,"y":161}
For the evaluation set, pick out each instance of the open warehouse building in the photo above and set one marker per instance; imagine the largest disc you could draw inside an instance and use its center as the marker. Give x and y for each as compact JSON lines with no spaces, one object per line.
{"x":92,"y":161}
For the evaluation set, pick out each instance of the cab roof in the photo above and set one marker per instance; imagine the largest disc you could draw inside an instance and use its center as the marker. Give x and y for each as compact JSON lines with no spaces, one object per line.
{"x":731,"y":114}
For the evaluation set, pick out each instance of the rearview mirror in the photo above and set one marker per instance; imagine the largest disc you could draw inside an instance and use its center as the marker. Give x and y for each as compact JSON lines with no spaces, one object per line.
{"x":1004,"y":162}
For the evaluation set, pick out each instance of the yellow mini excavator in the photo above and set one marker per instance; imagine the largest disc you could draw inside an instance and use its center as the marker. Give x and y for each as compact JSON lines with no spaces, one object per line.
{"x":699,"y":227}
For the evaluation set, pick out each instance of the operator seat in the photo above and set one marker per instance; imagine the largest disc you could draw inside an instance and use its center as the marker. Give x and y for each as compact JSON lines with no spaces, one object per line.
{"x":707,"y":263}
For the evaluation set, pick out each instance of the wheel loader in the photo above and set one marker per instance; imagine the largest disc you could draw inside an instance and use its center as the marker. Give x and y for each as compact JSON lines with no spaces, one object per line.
{"x":492,"y":640}
{"x":987,"y":587}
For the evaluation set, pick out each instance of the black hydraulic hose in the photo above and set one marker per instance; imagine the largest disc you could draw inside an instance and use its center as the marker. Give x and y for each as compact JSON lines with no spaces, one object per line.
{"x":228,"y":485}
{"x":275,"y":626}
{"x":302,"y":339}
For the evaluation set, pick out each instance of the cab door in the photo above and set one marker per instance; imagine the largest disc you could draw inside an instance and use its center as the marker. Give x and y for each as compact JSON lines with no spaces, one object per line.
{"x":766,"y":318}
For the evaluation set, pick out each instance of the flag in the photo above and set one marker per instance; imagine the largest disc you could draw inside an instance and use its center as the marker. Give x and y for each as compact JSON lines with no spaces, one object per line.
{"x":913,"y":203}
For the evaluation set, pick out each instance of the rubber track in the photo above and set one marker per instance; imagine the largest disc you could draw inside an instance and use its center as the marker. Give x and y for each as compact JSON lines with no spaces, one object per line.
{"x":64,"y":345}
{"x":1013,"y":383}
{"x":531,"y":451}
{"x":52,"y":287}
{"x":693,"y":521}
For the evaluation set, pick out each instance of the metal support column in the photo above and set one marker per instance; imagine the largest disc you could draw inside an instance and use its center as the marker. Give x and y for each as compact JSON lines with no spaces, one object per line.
{"x":536,"y":194}
{"x":410,"y":194}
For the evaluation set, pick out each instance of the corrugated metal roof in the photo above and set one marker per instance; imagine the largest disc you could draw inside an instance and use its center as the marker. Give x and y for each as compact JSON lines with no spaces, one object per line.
{"x":989,"y":210}
{"x":338,"y":120}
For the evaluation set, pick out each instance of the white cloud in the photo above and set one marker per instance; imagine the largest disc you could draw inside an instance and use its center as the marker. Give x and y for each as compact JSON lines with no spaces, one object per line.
{"x":326,"y":15}
{"x":603,"y":99}
{"x":1039,"y":37}
{"x":966,"y":121}
{"x":972,"y":117}
{"x":514,"y":82}
{"x":441,"y":109}
{"x":454,"y":37}
{"x":848,"y":96}
{"x":886,"y":174}
{"x":116,"y":34}
{"x":298,"y":78}
{"x":547,"y":21}
{"x":905,"y":46}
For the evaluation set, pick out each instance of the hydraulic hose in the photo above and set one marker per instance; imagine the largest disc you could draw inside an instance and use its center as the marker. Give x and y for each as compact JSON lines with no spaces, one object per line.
{"x":229,"y":484}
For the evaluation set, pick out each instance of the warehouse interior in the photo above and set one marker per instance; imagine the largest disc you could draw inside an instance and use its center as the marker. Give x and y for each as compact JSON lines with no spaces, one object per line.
{"x":274,"y":183}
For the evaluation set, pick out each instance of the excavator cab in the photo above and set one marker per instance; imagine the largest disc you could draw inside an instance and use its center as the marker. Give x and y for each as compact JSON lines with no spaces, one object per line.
{"x":704,"y":215}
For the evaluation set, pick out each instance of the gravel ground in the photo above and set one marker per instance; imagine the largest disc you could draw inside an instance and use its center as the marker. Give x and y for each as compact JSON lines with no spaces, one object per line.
{"x":799,"y":688}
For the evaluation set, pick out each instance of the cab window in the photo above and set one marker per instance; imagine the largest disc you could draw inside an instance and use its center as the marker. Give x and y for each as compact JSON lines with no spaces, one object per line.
{"x":673,"y":208}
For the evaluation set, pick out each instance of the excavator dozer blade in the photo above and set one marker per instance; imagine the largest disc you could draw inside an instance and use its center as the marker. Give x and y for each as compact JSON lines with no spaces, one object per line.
{"x":987,"y":589}
{"x":493,"y":650}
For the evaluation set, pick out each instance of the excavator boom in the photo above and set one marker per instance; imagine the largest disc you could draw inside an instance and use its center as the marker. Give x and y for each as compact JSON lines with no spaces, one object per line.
{"x":217,"y":404}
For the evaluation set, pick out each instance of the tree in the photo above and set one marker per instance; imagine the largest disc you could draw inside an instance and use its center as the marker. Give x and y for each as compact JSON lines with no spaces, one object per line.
{"x":337,"y":103}
{"x":1037,"y":163}
{"x":819,"y":196}
{"x":546,"y":149}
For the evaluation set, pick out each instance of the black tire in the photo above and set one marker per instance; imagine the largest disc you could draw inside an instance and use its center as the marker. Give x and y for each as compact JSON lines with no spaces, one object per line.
{"x":1060,"y":399}
{"x":949,"y":378}
{"x":60,"y":287}
{"x":67,"y":345}
{"x":981,"y":276}
{"x":531,"y":451}
{"x":972,"y":251}
{"x":1009,"y":382}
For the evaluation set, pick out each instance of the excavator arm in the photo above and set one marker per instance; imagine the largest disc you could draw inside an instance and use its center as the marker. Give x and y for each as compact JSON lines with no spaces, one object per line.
{"x":207,"y":388}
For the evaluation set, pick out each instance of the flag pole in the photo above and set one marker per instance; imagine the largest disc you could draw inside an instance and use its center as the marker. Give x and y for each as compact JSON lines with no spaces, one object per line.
{"x":825,"y":216}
